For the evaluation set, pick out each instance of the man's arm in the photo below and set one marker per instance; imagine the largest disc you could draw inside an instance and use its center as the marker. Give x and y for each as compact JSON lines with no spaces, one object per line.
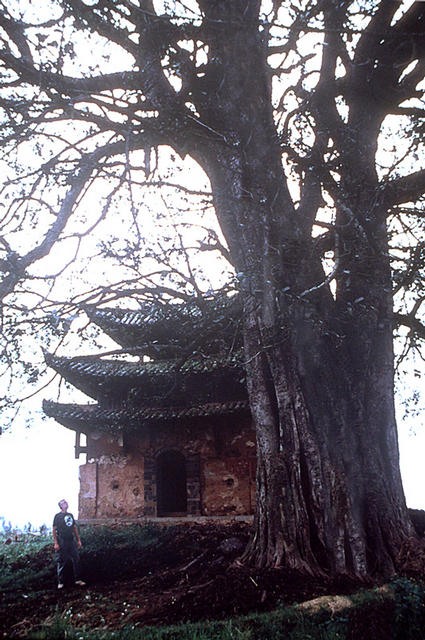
{"x":55,"y":539}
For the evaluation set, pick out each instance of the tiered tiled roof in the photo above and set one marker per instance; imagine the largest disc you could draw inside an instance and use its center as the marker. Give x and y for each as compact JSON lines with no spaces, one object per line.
{"x":97,"y":377}
{"x":197,"y":368}
{"x":88,"y":418}
{"x":170,"y":330}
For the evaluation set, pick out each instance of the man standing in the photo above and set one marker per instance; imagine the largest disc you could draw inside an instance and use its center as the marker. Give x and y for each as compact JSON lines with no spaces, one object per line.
{"x":67,"y":543}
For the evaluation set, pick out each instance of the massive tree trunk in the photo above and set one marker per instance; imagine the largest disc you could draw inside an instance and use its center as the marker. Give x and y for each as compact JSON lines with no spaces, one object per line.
{"x":329,"y":497}
{"x":319,"y":363}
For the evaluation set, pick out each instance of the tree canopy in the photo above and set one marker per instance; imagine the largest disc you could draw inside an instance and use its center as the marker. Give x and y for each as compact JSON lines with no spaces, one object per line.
{"x":92,"y":90}
{"x":302,"y":122}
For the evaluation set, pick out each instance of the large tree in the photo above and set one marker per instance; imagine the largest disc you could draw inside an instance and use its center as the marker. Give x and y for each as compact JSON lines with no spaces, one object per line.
{"x":307,"y":117}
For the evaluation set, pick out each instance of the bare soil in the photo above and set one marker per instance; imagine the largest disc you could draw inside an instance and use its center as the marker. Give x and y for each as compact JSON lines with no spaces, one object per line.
{"x":195,"y":575}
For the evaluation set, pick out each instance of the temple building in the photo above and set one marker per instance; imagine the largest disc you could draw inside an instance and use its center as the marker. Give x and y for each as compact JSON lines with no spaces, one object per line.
{"x":169,"y":433}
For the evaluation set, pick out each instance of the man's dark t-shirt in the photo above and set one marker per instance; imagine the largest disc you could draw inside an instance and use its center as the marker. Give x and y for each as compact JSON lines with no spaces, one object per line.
{"x":64,"y":523}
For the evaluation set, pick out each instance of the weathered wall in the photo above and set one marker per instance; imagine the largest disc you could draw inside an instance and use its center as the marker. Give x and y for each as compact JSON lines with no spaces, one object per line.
{"x":228,"y":486}
{"x":120,"y":486}
{"x":112,"y":487}
{"x":119,"y":479}
{"x":87,"y":497}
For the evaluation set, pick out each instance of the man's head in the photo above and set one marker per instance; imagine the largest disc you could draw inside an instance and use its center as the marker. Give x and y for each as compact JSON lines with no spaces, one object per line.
{"x":63,"y":505}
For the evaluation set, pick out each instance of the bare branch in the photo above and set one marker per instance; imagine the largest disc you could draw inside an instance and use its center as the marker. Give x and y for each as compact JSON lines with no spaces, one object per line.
{"x":404,"y":189}
{"x":409,"y":321}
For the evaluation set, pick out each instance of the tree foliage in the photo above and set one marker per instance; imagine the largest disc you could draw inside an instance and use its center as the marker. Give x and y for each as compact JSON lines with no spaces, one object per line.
{"x":92,"y":91}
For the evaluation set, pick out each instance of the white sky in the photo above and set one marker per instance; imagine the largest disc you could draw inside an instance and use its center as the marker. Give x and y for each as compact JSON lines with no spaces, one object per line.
{"x":37,"y":469}
{"x":412,"y":452}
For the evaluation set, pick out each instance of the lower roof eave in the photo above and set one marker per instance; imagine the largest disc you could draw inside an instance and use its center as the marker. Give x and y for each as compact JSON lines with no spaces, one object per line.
{"x":91,"y":418}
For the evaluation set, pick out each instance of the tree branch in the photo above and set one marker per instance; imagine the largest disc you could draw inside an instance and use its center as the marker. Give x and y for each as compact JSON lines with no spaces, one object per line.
{"x":404,"y":189}
{"x":15,"y":31}
{"x":17,"y":265}
{"x":411,"y":322}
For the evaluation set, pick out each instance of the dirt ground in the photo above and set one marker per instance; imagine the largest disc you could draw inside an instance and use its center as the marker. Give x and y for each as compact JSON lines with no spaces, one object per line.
{"x":194,"y":576}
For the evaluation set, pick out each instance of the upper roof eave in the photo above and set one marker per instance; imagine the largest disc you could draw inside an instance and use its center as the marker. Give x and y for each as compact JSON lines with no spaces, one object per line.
{"x":178,"y":322}
{"x":95,"y":366}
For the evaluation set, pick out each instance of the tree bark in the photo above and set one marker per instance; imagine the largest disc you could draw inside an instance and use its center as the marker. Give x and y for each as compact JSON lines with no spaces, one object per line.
{"x":329,"y":497}
{"x":320,"y":379}
{"x":319,"y":364}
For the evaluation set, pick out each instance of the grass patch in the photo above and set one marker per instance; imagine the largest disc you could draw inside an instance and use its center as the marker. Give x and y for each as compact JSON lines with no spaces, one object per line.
{"x":112,"y":552}
{"x":397,"y":614}
{"x":25,"y":560}
{"x":135,"y":537}
{"x":125,"y":552}
{"x":21,"y":545}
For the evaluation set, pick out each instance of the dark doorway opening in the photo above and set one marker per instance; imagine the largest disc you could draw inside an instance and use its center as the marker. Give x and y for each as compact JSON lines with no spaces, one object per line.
{"x":171,"y":484}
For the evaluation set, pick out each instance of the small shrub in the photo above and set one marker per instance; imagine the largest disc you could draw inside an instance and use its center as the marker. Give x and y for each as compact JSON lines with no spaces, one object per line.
{"x":110,"y":552}
{"x":409,"y":615}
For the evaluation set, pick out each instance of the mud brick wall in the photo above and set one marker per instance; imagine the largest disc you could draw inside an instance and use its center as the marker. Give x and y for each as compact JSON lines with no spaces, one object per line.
{"x":120,"y":480}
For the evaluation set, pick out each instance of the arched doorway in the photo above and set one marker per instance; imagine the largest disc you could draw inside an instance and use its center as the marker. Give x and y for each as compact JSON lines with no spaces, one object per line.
{"x":171,"y":484}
